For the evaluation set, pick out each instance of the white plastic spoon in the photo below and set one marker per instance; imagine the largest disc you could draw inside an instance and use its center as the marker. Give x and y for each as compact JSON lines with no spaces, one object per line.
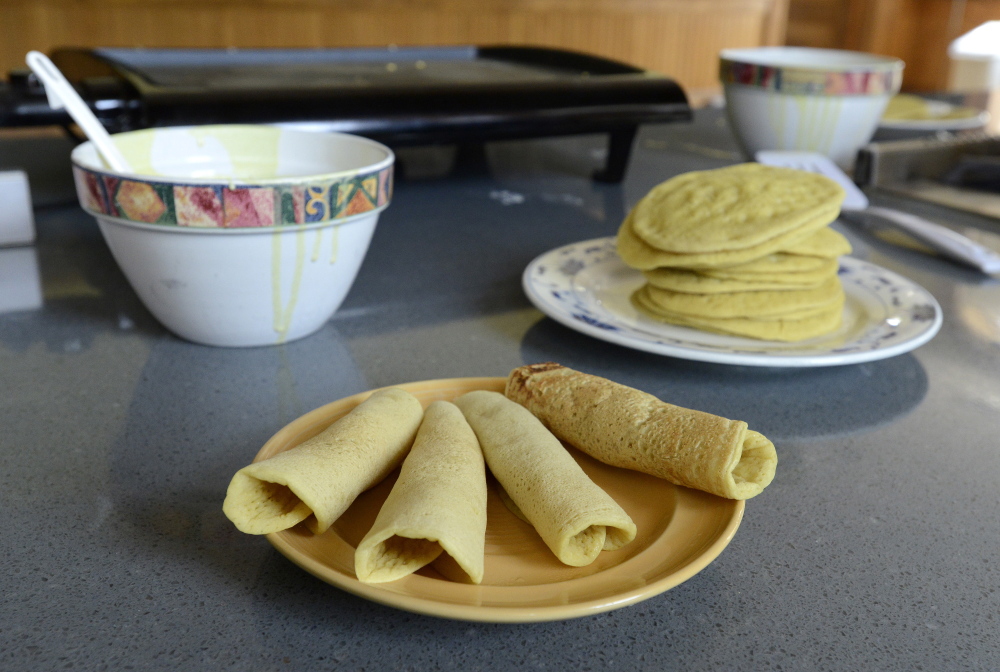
{"x":62,"y":94}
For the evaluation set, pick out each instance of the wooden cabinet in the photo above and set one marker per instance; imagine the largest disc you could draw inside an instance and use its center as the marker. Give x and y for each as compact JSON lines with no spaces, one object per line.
{"x":917,"y":31}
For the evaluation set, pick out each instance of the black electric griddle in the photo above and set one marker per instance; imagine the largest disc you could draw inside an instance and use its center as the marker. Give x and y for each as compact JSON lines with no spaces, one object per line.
{"x":399,"y":96}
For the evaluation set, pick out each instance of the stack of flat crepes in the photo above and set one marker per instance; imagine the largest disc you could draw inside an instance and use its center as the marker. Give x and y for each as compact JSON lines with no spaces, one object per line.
{"x":625,"y":427}
{"x":744,"y":250}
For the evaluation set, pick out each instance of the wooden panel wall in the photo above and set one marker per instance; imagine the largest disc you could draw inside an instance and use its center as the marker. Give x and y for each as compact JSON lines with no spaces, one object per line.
{"x":681,"y":38}
{"x":817,"y":23}
{"x":917,"y":31}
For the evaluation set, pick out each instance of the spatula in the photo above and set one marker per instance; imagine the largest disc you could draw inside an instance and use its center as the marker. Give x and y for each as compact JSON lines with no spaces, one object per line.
{"x":949,"y":243}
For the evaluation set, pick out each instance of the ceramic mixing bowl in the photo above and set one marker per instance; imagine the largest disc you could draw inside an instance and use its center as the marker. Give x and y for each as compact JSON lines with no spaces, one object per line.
{"x":798,"y":98}
{"x":238,"y":235}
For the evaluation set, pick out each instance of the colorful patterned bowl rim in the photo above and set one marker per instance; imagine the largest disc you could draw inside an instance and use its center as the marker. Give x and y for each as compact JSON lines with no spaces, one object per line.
{"x":222,"y":204}
{"x":238,"y":230}
{"x":809,"y":71}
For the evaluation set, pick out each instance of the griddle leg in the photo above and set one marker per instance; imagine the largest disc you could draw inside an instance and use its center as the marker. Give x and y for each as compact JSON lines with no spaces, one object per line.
{"x":619,"y":149}
{"x":471,"y":159}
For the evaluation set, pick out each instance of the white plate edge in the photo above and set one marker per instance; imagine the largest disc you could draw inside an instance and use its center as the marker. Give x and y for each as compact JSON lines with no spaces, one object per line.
{"x":741,"y":359}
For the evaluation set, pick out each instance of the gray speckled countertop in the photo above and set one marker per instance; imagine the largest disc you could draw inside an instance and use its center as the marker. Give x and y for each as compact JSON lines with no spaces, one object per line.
{"x":875,"y":548}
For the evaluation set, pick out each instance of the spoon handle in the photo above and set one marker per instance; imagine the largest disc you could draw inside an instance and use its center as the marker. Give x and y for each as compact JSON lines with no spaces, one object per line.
{"x":946,"y":241}
{"x":62,"y":94}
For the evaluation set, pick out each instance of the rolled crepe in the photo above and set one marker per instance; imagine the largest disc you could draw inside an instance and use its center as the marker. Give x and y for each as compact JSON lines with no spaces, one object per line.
{"x":437,"y":505}
{"x":624,"y":427}
{"x":574,"y":517}
{"x":322,"y":476}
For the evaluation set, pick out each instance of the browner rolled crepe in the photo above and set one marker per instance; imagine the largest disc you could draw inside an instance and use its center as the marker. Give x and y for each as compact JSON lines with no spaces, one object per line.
{"x":574,"y":517}
{"x":437,"y":505}
{"x":322,"y":476}
{"x":625,"y":427}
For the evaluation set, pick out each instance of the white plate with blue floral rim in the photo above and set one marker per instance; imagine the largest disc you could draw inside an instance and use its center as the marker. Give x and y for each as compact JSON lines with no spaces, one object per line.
{"x":586,"y":286}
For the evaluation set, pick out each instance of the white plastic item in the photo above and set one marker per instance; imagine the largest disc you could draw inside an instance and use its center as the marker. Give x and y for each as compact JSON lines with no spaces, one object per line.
{"x":975,"y":60}
{"x":17,"y":222}
{"x":20,"y":281}
{"x":62,"y":94}
{"x":949,"y":243}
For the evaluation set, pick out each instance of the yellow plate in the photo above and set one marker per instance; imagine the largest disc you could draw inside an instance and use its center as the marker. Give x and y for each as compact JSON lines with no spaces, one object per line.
{"x":680,"y":532}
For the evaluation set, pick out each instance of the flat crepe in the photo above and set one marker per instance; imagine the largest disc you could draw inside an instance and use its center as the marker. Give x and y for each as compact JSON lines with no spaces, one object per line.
{"x":438,"y":504}
{"x":827,"y":268}
{"x":732,"y":208}
{"x":574,"y":517}
{"x":779,"y":264}
{"x":318,"y":479}
{"x":762,"y":303}
{"x":712,"y":282}
{"x":787,"y":328}
{"x":826,"y":243}
{"x":625,"y":427}
{"x":639,"y":254}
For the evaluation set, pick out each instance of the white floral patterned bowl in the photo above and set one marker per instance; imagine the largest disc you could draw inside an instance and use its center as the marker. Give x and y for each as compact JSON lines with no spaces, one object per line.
{"x":798,"y":98}
{"x":238,"y":235}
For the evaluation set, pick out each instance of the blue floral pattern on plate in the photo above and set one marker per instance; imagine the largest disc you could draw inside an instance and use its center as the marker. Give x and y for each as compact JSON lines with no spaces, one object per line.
{"x":586,"y":287}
